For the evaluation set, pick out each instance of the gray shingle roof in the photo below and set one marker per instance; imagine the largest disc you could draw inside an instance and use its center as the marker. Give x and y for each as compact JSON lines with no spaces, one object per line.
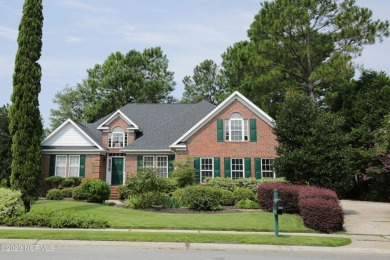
{"x":161,"y":124}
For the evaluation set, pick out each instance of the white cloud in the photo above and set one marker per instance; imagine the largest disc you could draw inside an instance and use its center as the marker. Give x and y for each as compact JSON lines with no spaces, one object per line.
{"x":133,"y":34}
{"x":73,"y":39}
{"x":8,"y":33}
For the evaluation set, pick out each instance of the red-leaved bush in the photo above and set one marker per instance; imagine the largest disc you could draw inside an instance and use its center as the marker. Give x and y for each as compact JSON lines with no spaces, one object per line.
{"x":322,"y":214}
{"x":287,"y":193}
{"x":319,"y":208}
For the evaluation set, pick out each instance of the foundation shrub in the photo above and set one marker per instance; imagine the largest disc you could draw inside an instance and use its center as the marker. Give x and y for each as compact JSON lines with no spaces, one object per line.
{"x":96,"y":191}
{"x":246,"y":204}
{"x":202,"y":197}
{"x":67,"y":192}
{"x":11,"y":203}
{"x":78,"y":193}
{"x":55,"y":194}
{"x":227,"y":198}
{"x":243,"y":194}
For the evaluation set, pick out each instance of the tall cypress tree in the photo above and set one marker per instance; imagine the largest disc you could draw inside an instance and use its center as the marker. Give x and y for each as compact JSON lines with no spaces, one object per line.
{"x":25,"y":119}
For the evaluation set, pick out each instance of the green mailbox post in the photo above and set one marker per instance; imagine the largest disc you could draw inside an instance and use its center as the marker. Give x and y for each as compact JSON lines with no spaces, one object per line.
{"x":277,"y":209}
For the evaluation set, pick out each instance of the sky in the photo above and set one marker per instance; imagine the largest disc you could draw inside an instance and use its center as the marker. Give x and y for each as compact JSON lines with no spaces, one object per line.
{"x":77,"y":34}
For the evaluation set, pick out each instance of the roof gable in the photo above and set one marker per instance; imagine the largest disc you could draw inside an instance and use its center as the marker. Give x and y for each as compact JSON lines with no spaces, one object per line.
{"x":116,"y":114}
{"x":70,"y":134}
{"x":234,"y":96}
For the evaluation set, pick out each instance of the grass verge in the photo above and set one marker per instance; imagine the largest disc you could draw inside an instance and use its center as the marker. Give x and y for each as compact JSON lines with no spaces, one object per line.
{"x":128,"y":218}
{"x":252,"y":239}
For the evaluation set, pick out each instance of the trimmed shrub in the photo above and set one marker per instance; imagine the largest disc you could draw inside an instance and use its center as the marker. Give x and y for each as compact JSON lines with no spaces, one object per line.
{"x":221,"y":183}
{"x":11,"y":203}
{"x":96,"y":191}
{"x":243,"y":194}
{"x":246,"y":204}
{"x":322,"y":214}
{"x":309,"y":192}
{"x":53,"y":181}
{"x":287,"y":193}
{"x":227,"y":198}
{"x":184,"y":173}
{"x":71,"y":182}
{"x":249,"y":183}
{"x":202,"y":197}
{"x":67,"y":192}
{"x":78,"y":193}
{"x":168,"y":185}
{"x":55,"y":219}
{"x":55,"y":194}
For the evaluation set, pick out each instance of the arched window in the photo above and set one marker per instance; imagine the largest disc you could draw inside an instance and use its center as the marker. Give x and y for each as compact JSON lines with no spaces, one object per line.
{"x":117,"y":137}
{"x":236,"y":128}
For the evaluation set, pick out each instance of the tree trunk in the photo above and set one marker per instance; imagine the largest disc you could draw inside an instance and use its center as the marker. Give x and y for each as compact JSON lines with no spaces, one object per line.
{"x":310,"y":91}
{"x":27,"y":205}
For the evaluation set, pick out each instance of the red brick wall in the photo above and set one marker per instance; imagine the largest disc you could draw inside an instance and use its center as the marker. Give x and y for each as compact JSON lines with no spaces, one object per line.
{"x":131,"y":165}
{"x":204,"y":142}
{"x":95,"y":166}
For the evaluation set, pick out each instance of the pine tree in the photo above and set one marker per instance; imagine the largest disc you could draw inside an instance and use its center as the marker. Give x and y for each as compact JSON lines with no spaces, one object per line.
{"x":25,"y":120}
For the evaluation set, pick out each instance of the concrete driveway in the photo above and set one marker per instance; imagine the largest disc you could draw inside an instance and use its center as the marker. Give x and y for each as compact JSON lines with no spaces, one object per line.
{"x":366,"y":218}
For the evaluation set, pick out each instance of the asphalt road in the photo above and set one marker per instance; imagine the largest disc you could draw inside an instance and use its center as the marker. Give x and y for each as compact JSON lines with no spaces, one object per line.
{"x":120,"y":251}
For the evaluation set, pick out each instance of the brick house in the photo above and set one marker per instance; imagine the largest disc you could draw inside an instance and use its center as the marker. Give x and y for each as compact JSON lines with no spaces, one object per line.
{"x":231,"y":140}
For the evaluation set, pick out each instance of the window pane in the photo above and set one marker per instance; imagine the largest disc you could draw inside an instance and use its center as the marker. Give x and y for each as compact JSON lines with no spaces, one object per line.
{"x":74,"y":165}
{"x":267,"y":168}
{"x":227,"y":130}
{"x":61,"y":165}
{"x":246,"y":130}
{"x":116,"y":138}
{"x":237,"y":168}
{"x":148,"y":161}
{"x":206,"y":168}
{"x":236,"y":130}
{"x":162,"y":166}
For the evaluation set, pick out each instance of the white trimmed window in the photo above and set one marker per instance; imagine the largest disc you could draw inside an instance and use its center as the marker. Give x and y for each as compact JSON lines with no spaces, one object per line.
{"x":267,"y":168}
{"x":206,"y":168}
{"x":148,"y":161}
{"x":60,"y":165}
{"x":237,"y":168}
{"x":162,"y":166}
{"x":236,"y":128}
{"x":117,"y":138}
{"x":74,"y":166}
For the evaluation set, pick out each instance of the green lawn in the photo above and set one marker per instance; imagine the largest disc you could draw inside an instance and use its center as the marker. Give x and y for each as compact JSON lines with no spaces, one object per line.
{"x":175,"y":237}
{"x":128,"y":218}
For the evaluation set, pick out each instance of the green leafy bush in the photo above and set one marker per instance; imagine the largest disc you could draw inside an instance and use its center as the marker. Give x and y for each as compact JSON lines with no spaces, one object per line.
{"x":4,"y":183}
{"x":169,"y":185}
{"x":243,"y":194}
{"x":145,"y":181}
{"x":184,"y":173}
{"x":178,"y":195}
{"x":11,"y":203}
{"x":78,"y":193}
{"x":67,"y":192}
{"x":146,"y":200}
{"x":96,"y":191}
{"x":222,"y":183}
{"x":71,"y":182}
{"x":123,"y":192}
{"x":202,"y":197}
{"x":134,"y":202}
{"x":231,"y":184}
{"x":54,"y":181}
{"x":55,"y":194}
{"x":55,"y":219}
{"x":246,"y":204}
{"x":227,"y":198}
{"x":170,"y":202}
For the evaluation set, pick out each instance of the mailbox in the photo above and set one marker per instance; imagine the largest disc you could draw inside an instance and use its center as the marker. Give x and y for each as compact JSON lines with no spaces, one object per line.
{"x":278,"y":207}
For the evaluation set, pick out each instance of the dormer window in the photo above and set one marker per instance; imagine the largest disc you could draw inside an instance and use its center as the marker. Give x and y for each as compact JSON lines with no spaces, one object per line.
{"x":117,"y":138}
{"x":236,"y":128}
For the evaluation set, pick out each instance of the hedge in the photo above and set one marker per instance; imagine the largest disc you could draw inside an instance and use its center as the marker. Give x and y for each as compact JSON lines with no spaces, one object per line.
{"x":319,"y":208}
{"x":322,"y":214}
{"x":202,"y":197}
{"x":287,"y":193}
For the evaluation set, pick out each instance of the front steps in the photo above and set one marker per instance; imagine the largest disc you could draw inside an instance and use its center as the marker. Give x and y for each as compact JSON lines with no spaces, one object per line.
{"x":114,"y":195}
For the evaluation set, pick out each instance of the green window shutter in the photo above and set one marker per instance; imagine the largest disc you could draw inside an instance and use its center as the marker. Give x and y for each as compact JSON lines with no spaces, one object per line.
{"x":247,"y":164}
{"x":217,"y":167}
{"x":258,"y":168}
{"x":253,"y":131}
{"x":82,"y":166}
{"x":140,"y":158}
{"x":171,"y":158}
{"x":52,"y":165}
{"x":220,"y":130}
{"x":227,"y":167}
{"x":197,"y":169}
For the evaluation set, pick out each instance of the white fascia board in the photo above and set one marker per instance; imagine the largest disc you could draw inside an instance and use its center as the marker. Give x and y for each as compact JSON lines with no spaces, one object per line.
{"x":235,"y":95}
{"x":70,"y":121}
{"x":165,"y":151}
{"x":113,"y":116}
{"x":72,"y":151}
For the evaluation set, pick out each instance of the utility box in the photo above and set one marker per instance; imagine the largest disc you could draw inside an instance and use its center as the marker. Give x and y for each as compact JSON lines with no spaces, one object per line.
{"x":278,"y":207}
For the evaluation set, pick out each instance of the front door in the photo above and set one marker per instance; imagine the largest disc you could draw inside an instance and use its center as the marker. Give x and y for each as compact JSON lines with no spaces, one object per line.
{"x":117,"y":171}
